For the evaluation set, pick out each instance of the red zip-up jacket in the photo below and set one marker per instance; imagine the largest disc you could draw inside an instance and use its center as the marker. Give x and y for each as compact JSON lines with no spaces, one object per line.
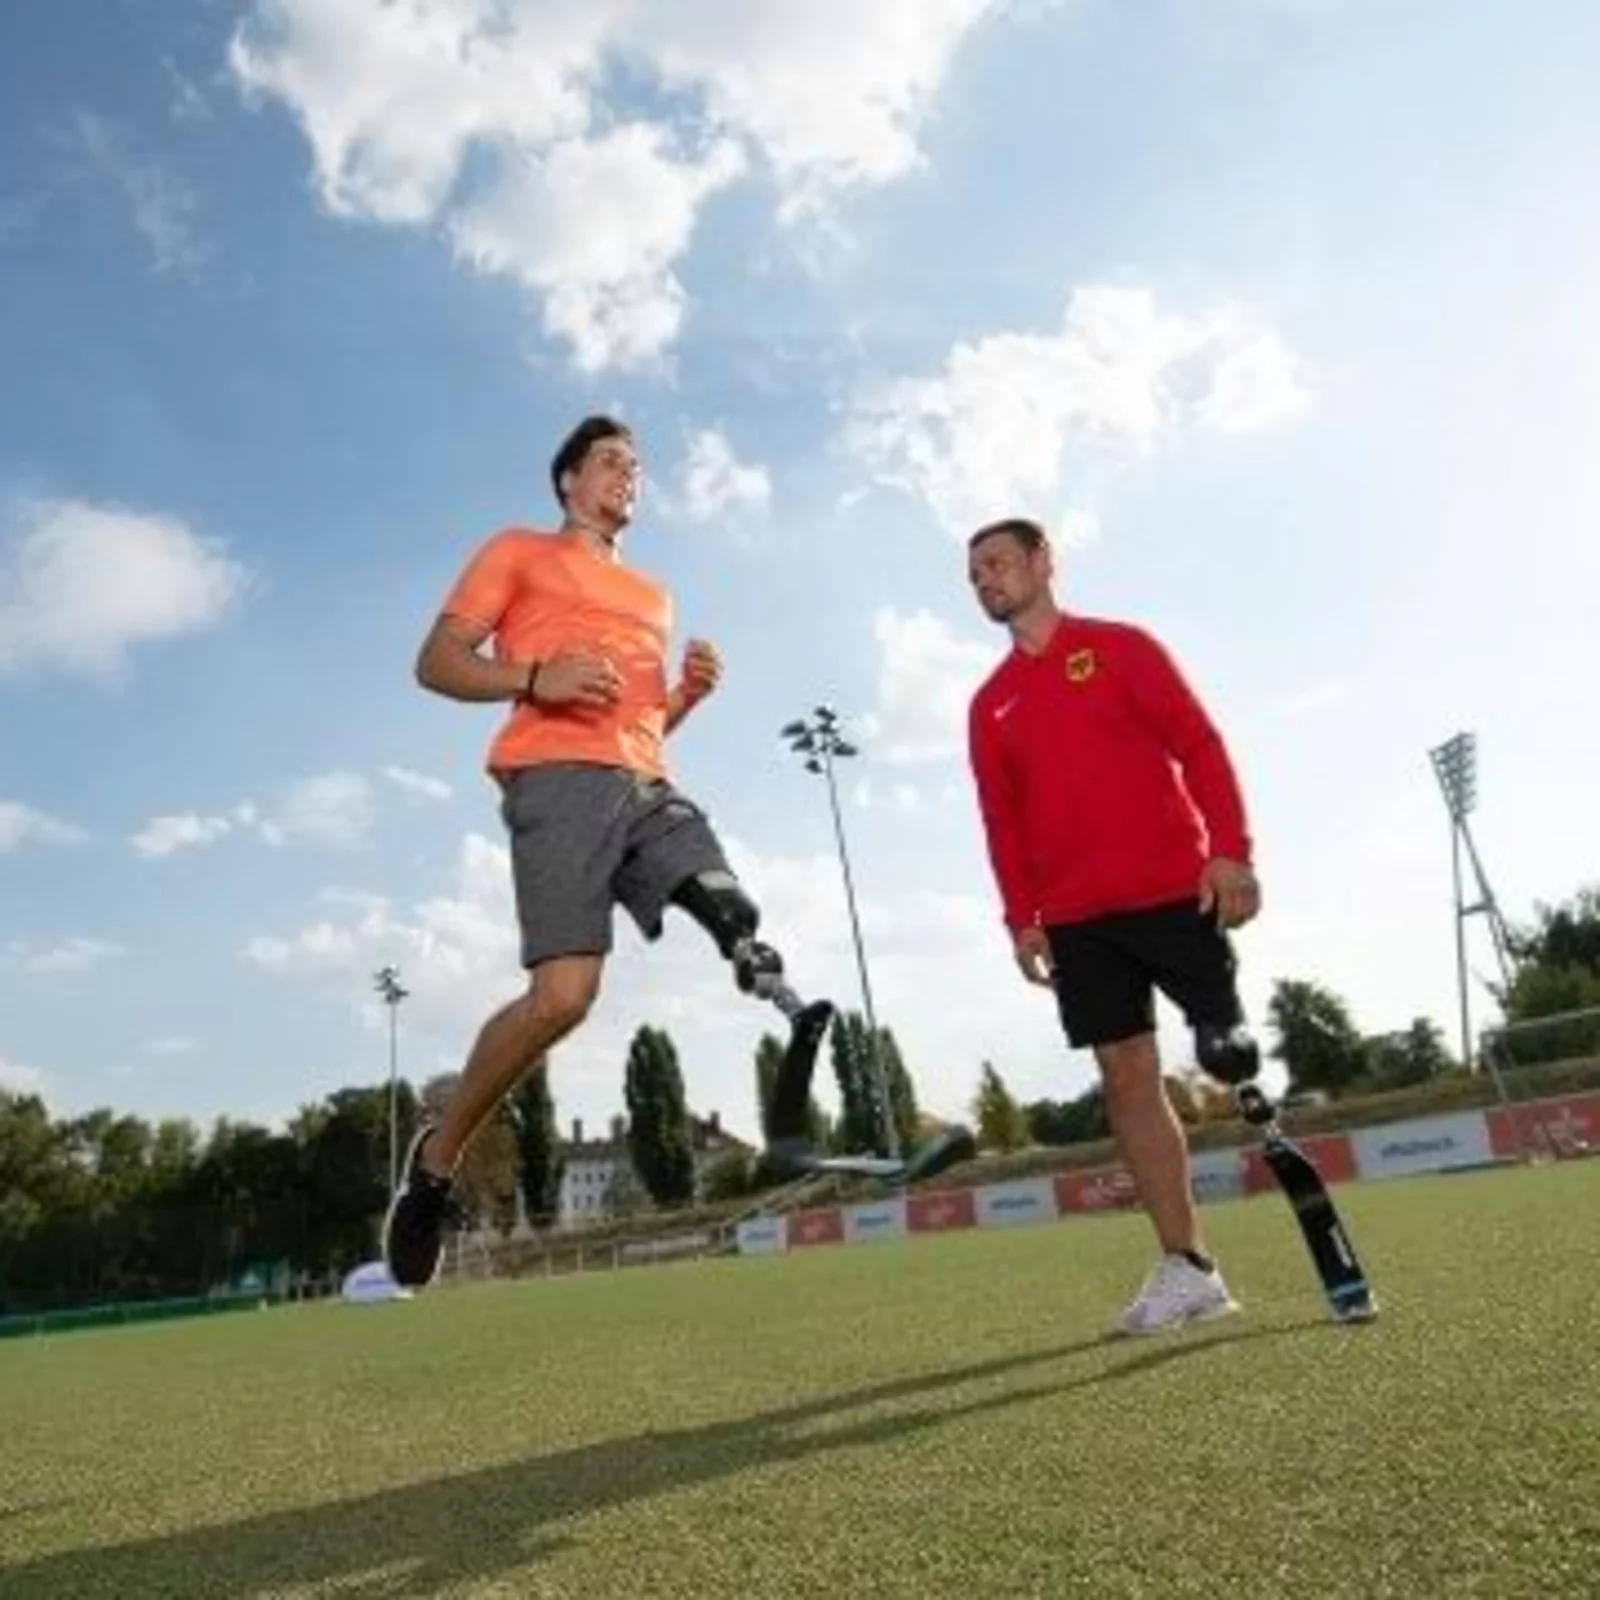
{"x":1103,"y":784}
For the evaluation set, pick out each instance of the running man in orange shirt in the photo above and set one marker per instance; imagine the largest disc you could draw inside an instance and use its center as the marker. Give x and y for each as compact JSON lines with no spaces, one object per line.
{"x":579,"y":647}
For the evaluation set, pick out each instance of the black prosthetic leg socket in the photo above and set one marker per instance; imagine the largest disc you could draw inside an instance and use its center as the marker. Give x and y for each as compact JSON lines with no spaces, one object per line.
{"x":1230,"y":1055}
{"x":721,"y":907}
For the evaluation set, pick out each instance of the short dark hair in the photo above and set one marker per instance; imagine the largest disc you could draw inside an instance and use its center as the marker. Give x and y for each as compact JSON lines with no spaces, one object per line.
{"x":1027,"y":533}
{"x":578,"y":443}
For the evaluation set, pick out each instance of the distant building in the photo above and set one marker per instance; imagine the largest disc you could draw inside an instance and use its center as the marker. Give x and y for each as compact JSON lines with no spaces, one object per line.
{"x":598,"y":1180}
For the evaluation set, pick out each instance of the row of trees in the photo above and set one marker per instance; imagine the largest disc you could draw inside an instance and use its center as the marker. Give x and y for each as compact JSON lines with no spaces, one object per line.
{"x":660,"y":1135}
{"x":105,"y":1206}
{"x":111,"y":1207}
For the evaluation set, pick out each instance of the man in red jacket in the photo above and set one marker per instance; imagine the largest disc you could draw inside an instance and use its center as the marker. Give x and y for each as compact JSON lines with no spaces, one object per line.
{"x":1121,"y":851}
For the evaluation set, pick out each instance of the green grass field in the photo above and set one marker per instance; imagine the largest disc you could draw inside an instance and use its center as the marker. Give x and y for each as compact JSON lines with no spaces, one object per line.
{"x":911,"y":1419}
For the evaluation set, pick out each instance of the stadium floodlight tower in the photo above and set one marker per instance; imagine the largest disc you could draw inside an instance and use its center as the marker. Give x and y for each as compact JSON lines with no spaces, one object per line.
{"x":387,"y":981}
{"x":1455,"y":763}
{"x":820,"y":741}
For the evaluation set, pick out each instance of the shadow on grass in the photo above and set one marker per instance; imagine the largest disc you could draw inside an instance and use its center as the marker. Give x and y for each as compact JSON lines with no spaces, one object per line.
{"x":423,"y":1538}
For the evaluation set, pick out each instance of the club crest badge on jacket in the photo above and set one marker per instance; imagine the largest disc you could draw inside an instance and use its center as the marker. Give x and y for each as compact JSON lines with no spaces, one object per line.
{"x":1080,"y":665}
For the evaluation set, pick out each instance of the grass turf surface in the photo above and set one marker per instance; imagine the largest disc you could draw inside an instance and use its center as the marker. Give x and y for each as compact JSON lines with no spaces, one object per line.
{"x":898,"y":1420}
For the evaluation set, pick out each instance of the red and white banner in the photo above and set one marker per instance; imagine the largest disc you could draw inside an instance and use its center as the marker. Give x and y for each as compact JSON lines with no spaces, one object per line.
{"x":815,"y":1227}
{"x":1566,"y":1126}
{"x":942,"y":1211}
{"x":1095,"y":1189}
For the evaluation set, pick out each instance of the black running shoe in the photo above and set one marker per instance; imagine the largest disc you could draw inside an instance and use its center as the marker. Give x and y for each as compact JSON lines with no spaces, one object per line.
{"x":413,"y":1232}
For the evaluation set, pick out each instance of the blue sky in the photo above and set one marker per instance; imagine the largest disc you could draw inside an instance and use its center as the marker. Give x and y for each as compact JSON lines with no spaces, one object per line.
{"x":1280,"y":312}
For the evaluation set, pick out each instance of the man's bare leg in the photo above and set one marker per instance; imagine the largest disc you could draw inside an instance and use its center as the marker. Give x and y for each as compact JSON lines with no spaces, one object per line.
{"x":560,"y":994}
{"x":1151,"y":1140}
{"x":1185,"y":1285}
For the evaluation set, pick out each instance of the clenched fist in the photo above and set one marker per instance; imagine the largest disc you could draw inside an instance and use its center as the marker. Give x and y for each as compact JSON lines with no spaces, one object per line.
{"x":575,"y":678}
{"x":702,"y":669}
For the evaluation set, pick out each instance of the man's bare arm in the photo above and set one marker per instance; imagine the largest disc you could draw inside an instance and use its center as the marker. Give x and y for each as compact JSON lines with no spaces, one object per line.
{"x":680,"y":702}
{"x":450,"y":663}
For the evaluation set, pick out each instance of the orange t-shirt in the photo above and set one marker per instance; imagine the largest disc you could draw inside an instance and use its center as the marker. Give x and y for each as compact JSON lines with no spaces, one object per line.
{"x":542,"y":593}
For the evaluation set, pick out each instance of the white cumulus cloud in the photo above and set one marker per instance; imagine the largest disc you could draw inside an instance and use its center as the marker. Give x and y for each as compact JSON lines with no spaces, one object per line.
{"x":22,"y":824}
{"x":926,"y":672}
{"x":82,"y":585}
{"x":185,"y":830}
{"x":1020,"y":423}
{"x":594,"y":227}
{"x":716,"y":481}
{"x":495,"y":122}
{"x":334,"y":810}
{"x":418,"y":783}
{"x":79,"y":953}
{"x":833,"y":93}
{"x":457,"y":950}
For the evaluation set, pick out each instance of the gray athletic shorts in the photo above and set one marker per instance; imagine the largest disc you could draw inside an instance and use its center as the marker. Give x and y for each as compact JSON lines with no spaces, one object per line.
{"x":585,"y":838}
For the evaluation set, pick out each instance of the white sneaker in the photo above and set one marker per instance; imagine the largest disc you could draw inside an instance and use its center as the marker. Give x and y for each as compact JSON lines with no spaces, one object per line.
{"x":1175,"y":1293}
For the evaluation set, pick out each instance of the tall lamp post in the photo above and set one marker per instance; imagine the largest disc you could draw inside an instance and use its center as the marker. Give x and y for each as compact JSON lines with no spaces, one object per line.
{"x":387,"y":981}
{"x":819,"y":740}
{"x":1455,"y":764}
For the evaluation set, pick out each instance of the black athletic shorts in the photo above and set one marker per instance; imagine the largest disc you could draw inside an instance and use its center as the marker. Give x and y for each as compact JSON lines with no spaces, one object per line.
{"x":1109,"y":969}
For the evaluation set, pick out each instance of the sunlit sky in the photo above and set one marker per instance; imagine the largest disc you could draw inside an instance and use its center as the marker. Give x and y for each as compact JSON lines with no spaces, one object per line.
{"x":1280,"y":314}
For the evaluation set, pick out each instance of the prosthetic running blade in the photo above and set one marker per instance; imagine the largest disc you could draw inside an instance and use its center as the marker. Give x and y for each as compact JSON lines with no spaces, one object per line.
{"x":1338,"y":1268}
{"x":788,"y":1149}
{"x":945,"y":1149}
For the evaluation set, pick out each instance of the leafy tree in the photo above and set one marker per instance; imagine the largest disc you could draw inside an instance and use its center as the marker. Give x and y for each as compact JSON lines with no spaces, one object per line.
{"x":1316,"y":1039}
{"x":860,"y":1125}
{"x":1565,"y":936}
{"x":732,"y":1175}
{"x":100,"y":1206}
{"x":658,"y":1118}
{"x":538,"y":1146}
{"x":1079,"y":1121}
{"x":1396,"y":1061}
{"x":1427,"y":1055}
{"x":1002,"y":1124}
{"x":346,"y":1171}
{"x":1556,"y":970}
{"x":1540,"y":991}
{"x":487,"y":1176}
{"x":902,"y":1092}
